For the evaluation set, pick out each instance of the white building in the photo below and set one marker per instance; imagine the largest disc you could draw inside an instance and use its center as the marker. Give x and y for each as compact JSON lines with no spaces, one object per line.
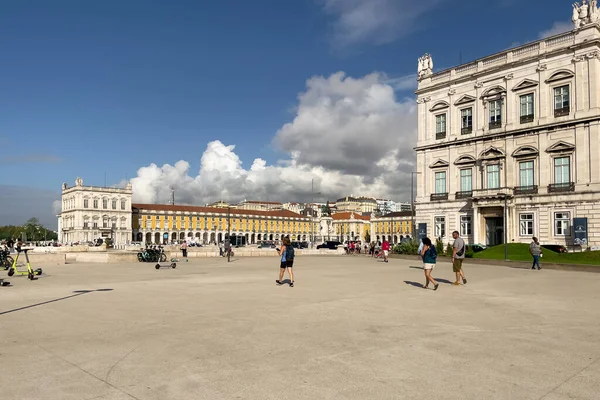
{"x":92,"y":212}
{"x":521,"y":127}
{"x":259,"y":205}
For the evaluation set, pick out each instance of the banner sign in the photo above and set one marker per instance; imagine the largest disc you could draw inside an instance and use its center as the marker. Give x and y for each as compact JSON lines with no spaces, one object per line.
{"x":422,"y":231}
{"x":580,"y":230}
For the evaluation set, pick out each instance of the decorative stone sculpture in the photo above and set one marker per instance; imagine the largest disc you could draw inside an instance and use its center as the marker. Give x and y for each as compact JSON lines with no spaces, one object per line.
{"x":78,"y":182}
{"x":585,"y":13}
{"x":425,"y":66}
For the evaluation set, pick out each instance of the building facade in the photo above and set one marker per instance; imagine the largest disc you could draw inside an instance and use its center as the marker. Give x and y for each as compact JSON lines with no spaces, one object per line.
{"x":511,"y":140}
{"x":351,"y":226}
{"x":91,"y":212}
{"x":259,"y":205}
{"x":394,"y":227}
{"x":161,"y":223}
{"x":362,"y":205}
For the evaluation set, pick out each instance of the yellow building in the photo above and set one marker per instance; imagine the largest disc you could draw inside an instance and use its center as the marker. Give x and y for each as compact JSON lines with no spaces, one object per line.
{"x":393,"y":226}
{"x":161,"y":223}
{"x":351,"y":226}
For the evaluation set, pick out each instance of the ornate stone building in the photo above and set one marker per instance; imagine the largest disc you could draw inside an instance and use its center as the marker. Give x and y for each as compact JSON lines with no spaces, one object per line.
{"x":394,"y":227}
{"x":351,"y":226}
{"x":162,"y":223}
{"x":92,"y":212}
{"x":362,"y":205}
{"x":512,"y":140}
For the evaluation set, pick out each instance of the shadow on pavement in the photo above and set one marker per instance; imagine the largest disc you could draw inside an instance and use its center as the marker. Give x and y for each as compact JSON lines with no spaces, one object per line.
{"x":77,"y":293}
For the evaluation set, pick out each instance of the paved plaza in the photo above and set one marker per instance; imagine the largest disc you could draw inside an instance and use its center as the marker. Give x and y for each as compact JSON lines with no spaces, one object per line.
{"x":351,"y":328}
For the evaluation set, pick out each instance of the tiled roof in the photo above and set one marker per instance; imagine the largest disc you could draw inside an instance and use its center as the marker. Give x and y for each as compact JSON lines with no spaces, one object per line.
{"x":261,"y":202}
{"x":346,"y":215}
{"x":215,"y":210}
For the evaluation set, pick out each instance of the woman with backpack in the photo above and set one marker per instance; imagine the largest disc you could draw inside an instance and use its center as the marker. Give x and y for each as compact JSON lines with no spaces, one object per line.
{"x":287,"y":261}
{"x":429,"y":255}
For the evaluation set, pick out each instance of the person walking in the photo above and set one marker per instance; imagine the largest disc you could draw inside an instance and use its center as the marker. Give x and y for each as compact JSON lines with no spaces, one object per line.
{"x":184,"y":248}
{"x":221,"y":249}
{"x":458,"y":255}
{"x":536,"y":252}
{"x":287,"y":261}
{"x":429,"y":255}
{"x":386,"y":249}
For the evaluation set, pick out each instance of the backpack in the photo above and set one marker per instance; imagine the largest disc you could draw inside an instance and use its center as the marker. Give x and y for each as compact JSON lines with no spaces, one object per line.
{"x":433,"y":251}
{"x":289,"y":253}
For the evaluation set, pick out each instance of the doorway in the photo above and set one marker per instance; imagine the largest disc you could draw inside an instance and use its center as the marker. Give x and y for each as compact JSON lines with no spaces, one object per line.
{"x":494,"y":231}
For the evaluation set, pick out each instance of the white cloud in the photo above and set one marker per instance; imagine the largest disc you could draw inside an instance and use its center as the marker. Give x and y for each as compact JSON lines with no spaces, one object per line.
{"x":374,"y":21}
{"x":557,"y":28}
{"x":352,"y":136}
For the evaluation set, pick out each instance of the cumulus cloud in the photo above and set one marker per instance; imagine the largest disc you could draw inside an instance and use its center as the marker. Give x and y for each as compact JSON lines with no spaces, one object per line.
{"x":349,"y":136}
{"x":557,"y":28}
{"x":373,"y":21}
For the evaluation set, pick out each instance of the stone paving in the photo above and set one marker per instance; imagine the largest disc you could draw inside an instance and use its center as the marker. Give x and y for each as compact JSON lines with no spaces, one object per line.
{"x":351,"y":328}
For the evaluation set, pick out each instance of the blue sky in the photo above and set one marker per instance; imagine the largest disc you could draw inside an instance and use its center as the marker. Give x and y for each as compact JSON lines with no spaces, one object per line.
{"x":95,"y":88}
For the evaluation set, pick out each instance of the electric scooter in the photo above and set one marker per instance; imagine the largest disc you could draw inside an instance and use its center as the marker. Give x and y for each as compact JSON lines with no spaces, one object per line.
{"x":31,"y":273}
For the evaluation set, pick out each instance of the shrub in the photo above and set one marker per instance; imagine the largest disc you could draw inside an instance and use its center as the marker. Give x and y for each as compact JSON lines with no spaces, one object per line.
{"x":469,"y":253}
{"x":439,"y":247}
{"x":449,"y":250}
{"x":408,"y":247}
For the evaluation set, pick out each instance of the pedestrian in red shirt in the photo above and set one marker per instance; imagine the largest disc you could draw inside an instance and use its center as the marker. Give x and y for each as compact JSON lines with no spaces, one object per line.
{"x":386,"y":249}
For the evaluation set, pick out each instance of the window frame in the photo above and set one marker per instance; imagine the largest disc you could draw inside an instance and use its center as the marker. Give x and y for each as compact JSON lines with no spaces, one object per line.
{"x":521,"y":162}
{"x":442,"y":227}
{"x":470,"y":169}
{"x":105,"y":204}
{"x":441,"y":134}
{"x":96,"y":203}
{"x":529,"y":117}
{"x":466,"y":227}
{"x":113,"y":204}
{"x":465,"y":130}
{"x":564,"y":110}
{"x":530,"y":224}
{"x":487,"y":176}
{"x":435,"y":189}
{"x":566,"y":220}
{"x":495,"y":120}
{"x":554,"y":176}
{"x":86,"y":203}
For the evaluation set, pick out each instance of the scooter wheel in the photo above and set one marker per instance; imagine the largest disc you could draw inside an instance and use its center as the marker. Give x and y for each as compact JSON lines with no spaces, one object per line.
{"x":173,"y":265}
{"x":11,"y":272}
{"x":38,"y":271}
{"x":30,"y":276}
{"x":157,"y":266}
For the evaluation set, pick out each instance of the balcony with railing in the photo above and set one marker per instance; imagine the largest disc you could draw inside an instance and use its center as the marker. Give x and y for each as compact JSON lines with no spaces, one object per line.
{"x":495,"y":124}
{"x":561,"y":187}
{"x":465,"y":194}
{"x":438,"y":196}
{"x":561,"y":112}
{"x":497,"y":193}
{"x":525,"y":119}
{"x":520,"y":190}
{"x":526,"y":51}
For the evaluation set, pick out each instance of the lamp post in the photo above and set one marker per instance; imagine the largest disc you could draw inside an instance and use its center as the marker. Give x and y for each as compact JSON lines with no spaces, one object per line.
{"x":229,"y":232}
{"x":505,"y":224}
{"x":412,"y":203}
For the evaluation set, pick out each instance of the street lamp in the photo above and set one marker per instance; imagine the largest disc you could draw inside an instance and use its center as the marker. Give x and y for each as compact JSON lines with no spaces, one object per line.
{"x":229,"y":232}
{"x":412,"y":203}
{"x":505,"y":224}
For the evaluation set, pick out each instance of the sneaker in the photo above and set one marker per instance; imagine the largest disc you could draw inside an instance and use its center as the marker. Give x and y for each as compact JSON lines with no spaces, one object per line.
{"x":436,"y":286}
{"x":464,"y":281}
{"x":456,"y":283}
{"x":291,"y":284}
{"x":279,"y":282}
